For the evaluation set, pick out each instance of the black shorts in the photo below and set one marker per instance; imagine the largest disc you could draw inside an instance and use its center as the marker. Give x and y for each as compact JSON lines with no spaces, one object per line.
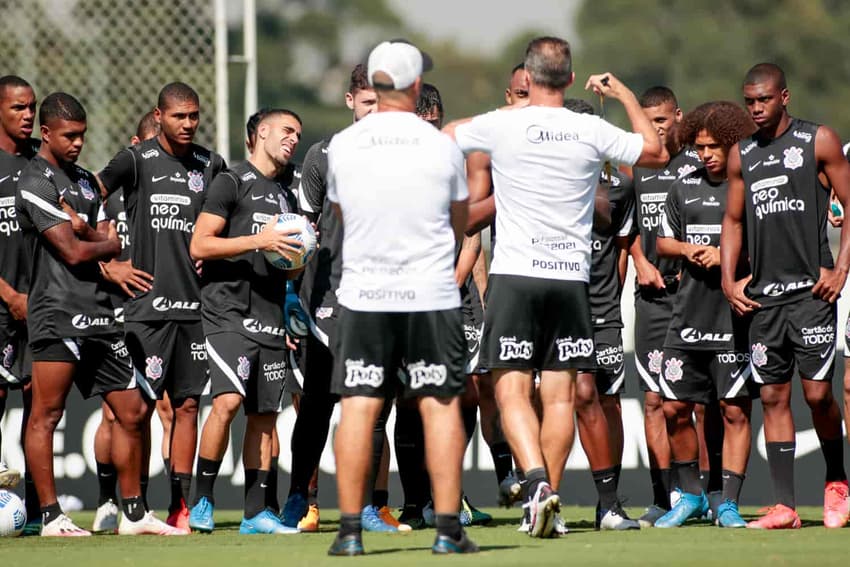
{"x":536,"y":323}
{"x":653,"y":311}
{"x":473,"y":323}
{"x":703,"y":377}
{"x":610,"y":369}
{"x":170,"y":355}
{"x":316,"y":359}
{"x":102,"y":364}
{"x":800,"y":333}
{"x":15,"y":354}
{"x":241,"y":366}
{"x":417,"y":354}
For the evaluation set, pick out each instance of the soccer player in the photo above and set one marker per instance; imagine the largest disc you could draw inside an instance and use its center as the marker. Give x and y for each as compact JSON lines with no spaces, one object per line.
{"x":778,"y":181}
{"x":164,"y":181}
{"x":318,"y":294}
{"x":127,"y":282}
{"x":17,"y":147}
{"x":603,"y":441}
{"x":657,"y":282}
{"x":541,"y":266}
{"x":243,"y":309}
{"x":400,"y":302}
{"x":705,"y":353}
{"x":71,"y":325}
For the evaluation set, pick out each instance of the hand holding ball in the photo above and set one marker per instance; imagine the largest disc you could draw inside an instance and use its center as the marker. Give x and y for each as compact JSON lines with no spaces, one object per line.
{"x":289,"y":243}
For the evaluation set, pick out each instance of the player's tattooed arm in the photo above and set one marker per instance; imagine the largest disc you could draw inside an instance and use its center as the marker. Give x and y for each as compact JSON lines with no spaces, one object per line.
{"x":732,"y":238}
{"x":832,"y":163}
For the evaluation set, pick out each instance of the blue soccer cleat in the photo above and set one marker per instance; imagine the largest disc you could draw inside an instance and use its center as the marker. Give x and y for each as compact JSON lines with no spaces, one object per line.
{"x":728,"y":515}
{"x":372,"y":522}
{"x":446,"y":545}
{"x":201,"y":516}
{"x":689,"y":506}
{"x":348,"y":545}
{"x":294,"y":509}
{"x":266,"y":522}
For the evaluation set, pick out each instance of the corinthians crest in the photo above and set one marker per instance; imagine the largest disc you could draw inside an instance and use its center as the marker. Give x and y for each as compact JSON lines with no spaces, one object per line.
{"x":793,"y":157}
{"x":673,"y":371}
{"x":759,"y":355}
{"x":196,"y":181}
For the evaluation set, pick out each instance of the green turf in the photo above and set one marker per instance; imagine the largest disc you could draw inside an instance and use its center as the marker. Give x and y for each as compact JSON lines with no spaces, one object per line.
{"x":696,"y":544}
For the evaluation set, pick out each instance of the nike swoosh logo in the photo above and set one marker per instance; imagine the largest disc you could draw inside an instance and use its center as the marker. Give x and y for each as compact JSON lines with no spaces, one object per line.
{"x":807,"y":443}
{"x":755,"y":165}
{"x":264,"y":485}
{"x":257,"y":197}
{"x":158,"y":179}
{"x":786,"y":449}
{"x":825,"y":353}
{"x":607,"y":480}
{"x":2,"y":179}
{"x":205,"y":473}
{"x":689,"y":201}
{"x":726,"y":477}
{"x":642,"y":178}
{"x":735,"y":374}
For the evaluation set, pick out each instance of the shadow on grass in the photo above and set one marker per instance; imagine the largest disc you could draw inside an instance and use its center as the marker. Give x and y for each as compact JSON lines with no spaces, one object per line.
{"x":428,"y":548}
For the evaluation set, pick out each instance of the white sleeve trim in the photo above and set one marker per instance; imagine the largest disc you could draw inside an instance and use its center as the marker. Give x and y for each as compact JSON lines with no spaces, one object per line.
{"x":44,"y":205}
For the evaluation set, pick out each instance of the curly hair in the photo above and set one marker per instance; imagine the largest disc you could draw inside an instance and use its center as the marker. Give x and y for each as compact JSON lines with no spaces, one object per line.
{"x":726,"y":122}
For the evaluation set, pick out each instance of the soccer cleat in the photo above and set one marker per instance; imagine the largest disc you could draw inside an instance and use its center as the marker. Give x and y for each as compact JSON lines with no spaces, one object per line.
{"x":32,"y":528}
{"x":651,"y":515}
{"x":387,"y":516}
{"x":779,"y":517}
{"x":559,"y":526}
{"x":62,"y":526}
{"x":444,"y":545}
{"x":9,"y":478}
{"x":201,"y":516}
{"x":472,"y":515}
{"x":510,"y":491}
{"x":616,"y":519}
{"x":689,"y":506}
{"x":836,"y":506}
{"x":412,"y":516}
{"x":148,"y":525}
{"x":543,"y":507}
{"x":106,"y":518}
{"x":266,"y":522}
{"x":372,"y":522}
{"x":728,"y":515}
{"x":525,"y":522}
{"x":179,"y":518}
{"x":294,"y":509}
{"x":310,"y":522}
{"x":349,"y":545}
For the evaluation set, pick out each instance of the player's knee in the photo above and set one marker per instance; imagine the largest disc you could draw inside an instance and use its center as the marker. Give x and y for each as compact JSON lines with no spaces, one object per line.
{"x":819,"y":397}
{"x":186,"y":409}
{"x":735,"y":417}
{"x":586,"y":394}
{"x":226,"y":406}
{"x":653,"y":406}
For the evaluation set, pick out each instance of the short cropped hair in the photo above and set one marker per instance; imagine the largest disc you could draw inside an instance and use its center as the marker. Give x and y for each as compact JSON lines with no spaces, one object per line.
{"x":766,"y":72}
{"x":656,"y":96}
{"x":61,"y":106}
{"x":148,"y":127}
{"x":549,"y":62}
{"x":176,"y":92}
{"x":12,"y":82}
{"x":579,"y":106}
{"x":257,"y":118}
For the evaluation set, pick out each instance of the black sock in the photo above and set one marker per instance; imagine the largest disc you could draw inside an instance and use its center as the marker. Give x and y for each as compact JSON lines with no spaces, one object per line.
{"x":50,"y":512}
{"x":534,"y":478}
{"x":704,"y":477}
{"x":380,"y":498}
{"x":181,"y":486}
{"x":255,"y":491}
{"x":349,"y":524}
{"x":31,"y":498}
{"x":378,"y":437}
{"x":206,"y":473}
{"x":617,"y":470}
{"x":167,"y":463}
{"x":313,"y":496}
{"x":502,"y":459}
{"x":660,"y":479}
{"x":715,"y":473}
{"x":308,"y":440}
{"x":523,"y":484}
{"x":410,"y":453}
{"x":470,"y":418}
{"x":134,"y":508}
{"x":833,"y":454}
{"x":780,"y":460}
{"x":606,"y":486}
{"x":107,"y":480}
{"x":144,"y":481}
{"x":688,"y":472}
{"x":448,"y":525}
{"x":271,"y":486}
{"x":732,"y":483}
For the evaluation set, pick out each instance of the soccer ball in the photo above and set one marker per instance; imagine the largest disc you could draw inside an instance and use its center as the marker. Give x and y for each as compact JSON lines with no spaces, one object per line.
{"x":13,"y":515}
{"x":307,"y":237}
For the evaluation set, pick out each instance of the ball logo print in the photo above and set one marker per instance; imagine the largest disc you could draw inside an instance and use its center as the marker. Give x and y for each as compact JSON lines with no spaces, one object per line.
{"x":13,"y":515}
{"x":243,"y":370}
{"x":306,"y":236}
{"x":655,"y":358}
{"x":793,"y":158}
{"x":153,"y":367}
{"x":759,"y":355}
{"x":196,"y":181}
{"x":8,"y":356}
{"x":673,"y":370}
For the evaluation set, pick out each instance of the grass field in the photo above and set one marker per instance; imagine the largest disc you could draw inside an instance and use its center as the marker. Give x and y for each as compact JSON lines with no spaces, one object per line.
{"x":501,"y":544}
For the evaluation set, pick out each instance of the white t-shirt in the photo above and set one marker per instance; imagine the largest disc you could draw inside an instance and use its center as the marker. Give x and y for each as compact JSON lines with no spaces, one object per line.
{"x":394,"y":176}
{"x":546,"y":163}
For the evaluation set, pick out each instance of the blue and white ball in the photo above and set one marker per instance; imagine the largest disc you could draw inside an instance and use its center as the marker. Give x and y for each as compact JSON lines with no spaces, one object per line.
{"x":306,"y":235}
{"x":13,"y":515}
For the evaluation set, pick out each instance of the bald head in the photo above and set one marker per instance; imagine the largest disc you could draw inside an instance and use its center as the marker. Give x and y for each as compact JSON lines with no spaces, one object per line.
{"x":766,"y":73}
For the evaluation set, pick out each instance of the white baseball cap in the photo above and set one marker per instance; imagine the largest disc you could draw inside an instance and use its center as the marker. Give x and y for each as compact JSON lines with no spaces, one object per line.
{"x":402,"y":61}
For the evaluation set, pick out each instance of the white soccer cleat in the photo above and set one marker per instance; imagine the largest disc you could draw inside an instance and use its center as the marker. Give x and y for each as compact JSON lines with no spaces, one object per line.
{"x":9,"y":478}
{"x":63,"y":527}
{"x":106,"y":518}
{"x":148,"y":525}
{"x":559,"y":526}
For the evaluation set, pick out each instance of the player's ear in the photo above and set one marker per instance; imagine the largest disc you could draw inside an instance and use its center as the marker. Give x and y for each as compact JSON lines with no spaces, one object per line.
{"x":157,"y":115}
{"x":349,"y":101}
{"x":679,"y":115}
{"x":785,"y":97}
{"x":45,"y":133}
{"x":135,"y":140}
